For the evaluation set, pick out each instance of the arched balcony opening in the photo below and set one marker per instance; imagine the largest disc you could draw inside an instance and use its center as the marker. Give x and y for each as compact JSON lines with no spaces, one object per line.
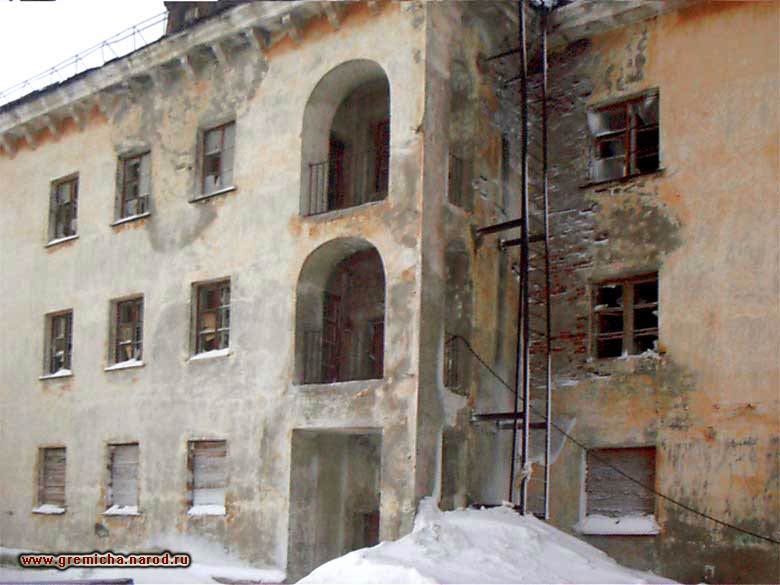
{"x":346,"y":139}
{"x":340,"y":314}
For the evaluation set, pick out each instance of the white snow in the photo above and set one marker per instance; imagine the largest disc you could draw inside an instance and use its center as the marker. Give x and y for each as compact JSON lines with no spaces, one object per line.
{"x":60,"y":240}
{"x":49,"y":509}
{"x":478,"y":546}
{"x":206,"y":510}
{"x":61,"y":373}
{"x":132,"y":363}
{"x":117,"y":510}
{"x":214,"y":353}
{"x":633,"y":525}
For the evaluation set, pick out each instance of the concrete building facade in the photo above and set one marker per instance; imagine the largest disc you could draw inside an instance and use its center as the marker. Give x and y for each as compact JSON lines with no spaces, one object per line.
{"x":244,"y":261}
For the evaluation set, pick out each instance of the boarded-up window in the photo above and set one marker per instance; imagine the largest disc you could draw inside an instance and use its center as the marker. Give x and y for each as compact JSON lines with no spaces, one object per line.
{"x":51,"y":479}
{"x":208,"y":464}
{"x":611,"y":494}
{"x":123,"y":464}
{"x":59,"y":344}
{"x":217,"y":163}
{"x":63,"y":209}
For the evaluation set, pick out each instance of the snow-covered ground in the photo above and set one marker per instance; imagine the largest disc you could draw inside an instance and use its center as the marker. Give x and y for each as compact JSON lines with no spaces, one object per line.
{"x":478,"y":546}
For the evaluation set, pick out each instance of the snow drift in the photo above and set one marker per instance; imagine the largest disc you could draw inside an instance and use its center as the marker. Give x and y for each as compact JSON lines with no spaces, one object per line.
{"x":493,"y":545}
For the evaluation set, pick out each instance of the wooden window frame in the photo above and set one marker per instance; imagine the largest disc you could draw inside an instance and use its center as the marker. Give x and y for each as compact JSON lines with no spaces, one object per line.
{"x":629,"y":133}
{"x":110,"y":501}
{"x":220,"y":330}
{"x":43,"y":498}
{"x":626,"y":311}
{"x":59,"y":228}
{"x":137,"y":341}
{"x":52,"y":342}
{"x":220,"y":153}
{"x":144,"y":190}
{"x":191,"y":448}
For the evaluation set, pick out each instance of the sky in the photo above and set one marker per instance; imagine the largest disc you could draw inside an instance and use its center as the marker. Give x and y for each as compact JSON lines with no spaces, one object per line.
{"x":36,"y":35}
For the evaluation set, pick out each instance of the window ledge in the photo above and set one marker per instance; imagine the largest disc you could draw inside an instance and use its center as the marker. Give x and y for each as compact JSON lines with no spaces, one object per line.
{"x":332,"y":214}
{"x":122,"y":511}
{"x":204,"y":196}
{"x":130,"y":218}
{"x":57,"y":374}
{"x":626,"y":179}
{"x":207,"y":510}
{"x":49,"y":510}
{"x":598,"y":525}
{"x":125,"y":365}
{"x":373,"y":382}
{"x":61,"y":240}
{"x":213,"y":354}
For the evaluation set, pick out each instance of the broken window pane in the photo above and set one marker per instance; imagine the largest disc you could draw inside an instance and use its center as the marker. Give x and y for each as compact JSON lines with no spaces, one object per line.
{"x":217,"y":164}
{"x":128,"y":330}
{"x":59,"y":346}
{"x":64,"y":198}
{"x":610,"y":295}
{"x":625,"y":317}
{"x":213,"y":316}
{"x":136,"y":186}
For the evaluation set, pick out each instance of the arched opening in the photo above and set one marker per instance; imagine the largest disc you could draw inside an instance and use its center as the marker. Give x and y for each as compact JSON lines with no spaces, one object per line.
{"x":346,"y":139}
{"x":340,"y":315}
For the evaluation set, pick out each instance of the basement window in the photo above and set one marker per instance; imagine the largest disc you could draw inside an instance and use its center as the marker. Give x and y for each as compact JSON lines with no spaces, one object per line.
{"x":127,"y":333}
{"x":212,"y":319}
{"x":123,"y":480}
{"x":59,"y":344}
{"x":208,"y":477}
{"x":51,"y":480}
{"x":625,"y":138}
{"x":134,"y":186}
{"x":217,"y":162}
{"x":63,"y":209}
{"x":625,"y":317}
{"x":614,"y":504}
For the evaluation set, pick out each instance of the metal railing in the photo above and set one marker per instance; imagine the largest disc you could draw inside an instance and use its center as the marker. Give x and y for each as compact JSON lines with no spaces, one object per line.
{"x":362,"y":183}
{"x":118,"y":45}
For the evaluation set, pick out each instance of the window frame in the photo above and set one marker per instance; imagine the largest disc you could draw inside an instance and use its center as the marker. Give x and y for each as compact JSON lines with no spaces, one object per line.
{"x":144,"y":190}
{"x":110,"y":497}
{"x":138,"y":330}
{"x":192,"y":445}
{"x":629,"y":333}
{"x":629,"y":134}
{"x":51,"y":342}
{"x":205,"y":154}
{"x":42,"y":497}
{"x":197,"y":331}
{"x":56,"y":209}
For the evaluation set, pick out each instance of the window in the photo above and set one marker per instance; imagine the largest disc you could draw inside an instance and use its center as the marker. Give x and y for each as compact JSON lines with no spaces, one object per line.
{"x":212,"y":323}
{"x":123,"y":479}
{"x":128,"y":331}
{"x":625,"y":317}
{"x":452,"y":360}
{"x":217,"y":161}
{"x":613,"y":503}
{"x":459,"y":180}
{"x":63,"y":208}
{"x":135,"y":186}
{"x":51,"y":480}
{"x":626,"y":138}
{"x":208,"y":477}
{"x":59,"y":344}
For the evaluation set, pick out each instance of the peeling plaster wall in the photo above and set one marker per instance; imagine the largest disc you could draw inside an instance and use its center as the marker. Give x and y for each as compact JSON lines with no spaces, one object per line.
{"x":708,"y":223}
{"x":255,"y":236}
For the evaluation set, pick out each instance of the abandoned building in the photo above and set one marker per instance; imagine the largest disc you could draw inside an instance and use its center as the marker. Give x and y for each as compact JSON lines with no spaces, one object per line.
{"x":269,"y":294}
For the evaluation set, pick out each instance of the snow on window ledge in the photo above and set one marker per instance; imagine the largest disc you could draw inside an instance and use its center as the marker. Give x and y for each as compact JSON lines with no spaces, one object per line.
{"x":209,"y":195}
{"x":61,"y":373}
{"x":596,"y":524}
{"x":214,"y":353}
{"x":206,"y":510}
{"x":134,"y":363}
{"x":61,"y":240}
{"x":129,"y":218}
{"x":117,"y":510}
{"x":49,"y":509}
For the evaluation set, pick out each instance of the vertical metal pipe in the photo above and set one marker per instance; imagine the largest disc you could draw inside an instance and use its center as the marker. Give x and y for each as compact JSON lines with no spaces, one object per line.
{"x":521,"y":377}
{"x":548,"y":311}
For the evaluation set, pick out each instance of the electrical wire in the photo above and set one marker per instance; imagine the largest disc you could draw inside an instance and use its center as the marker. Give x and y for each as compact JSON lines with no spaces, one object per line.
{"x":607,"y":463}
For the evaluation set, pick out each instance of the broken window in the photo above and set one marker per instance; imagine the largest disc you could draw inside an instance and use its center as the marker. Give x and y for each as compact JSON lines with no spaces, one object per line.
{"x":59,"y":343}
{"x":123,"y":478}
{"x":212,"y":322}
{"x":348,"y":163}
{"x":128,"y":330}
{"x":625,"y":138}
{"x":135,"y":186}
{"x":609,"y":493}
{"x":217,"y":163}
{"x":51,"y":478}
{"x":63,"y":209}
{"x":625,"y":316}
{"x":208,"y":469}
{"x":452,"y":362}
